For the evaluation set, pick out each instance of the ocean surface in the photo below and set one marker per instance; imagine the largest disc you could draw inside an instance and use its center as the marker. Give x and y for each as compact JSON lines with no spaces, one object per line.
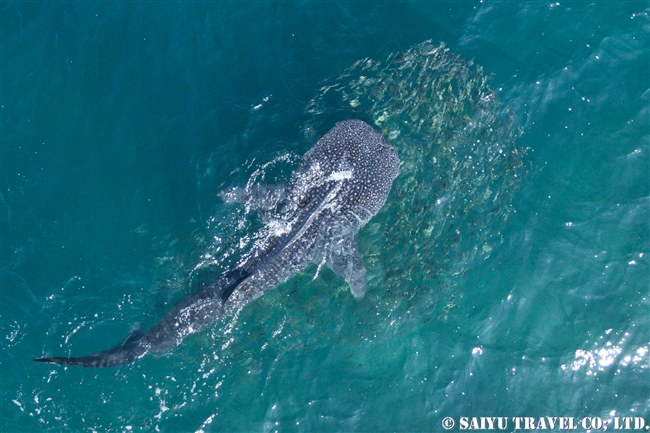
{"x":508,"y":272}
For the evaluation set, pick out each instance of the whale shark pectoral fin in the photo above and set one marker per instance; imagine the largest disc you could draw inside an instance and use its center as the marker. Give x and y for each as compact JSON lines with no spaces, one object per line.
{"x":346,"y":260}
{"x":259,"y":197}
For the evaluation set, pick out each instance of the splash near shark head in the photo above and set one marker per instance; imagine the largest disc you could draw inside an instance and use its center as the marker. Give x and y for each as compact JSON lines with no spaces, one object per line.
{"x":340,"y":184}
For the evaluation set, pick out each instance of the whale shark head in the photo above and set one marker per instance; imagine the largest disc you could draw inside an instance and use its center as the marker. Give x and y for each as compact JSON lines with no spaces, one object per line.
{"x":348,"y":172}
{"x":340,"y":184}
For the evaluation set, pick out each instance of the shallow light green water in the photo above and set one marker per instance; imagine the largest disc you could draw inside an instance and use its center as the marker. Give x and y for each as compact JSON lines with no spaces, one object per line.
{"x":498,"y":286}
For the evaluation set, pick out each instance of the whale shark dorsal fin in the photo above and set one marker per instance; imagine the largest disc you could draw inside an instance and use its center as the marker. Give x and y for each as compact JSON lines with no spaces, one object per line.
{"x":133,"y":336}
{"x":346,"y":260}
{"x":258,"y":196}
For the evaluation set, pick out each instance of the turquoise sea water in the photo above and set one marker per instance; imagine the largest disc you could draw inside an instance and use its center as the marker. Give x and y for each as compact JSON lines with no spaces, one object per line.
{"x":511,"y":286}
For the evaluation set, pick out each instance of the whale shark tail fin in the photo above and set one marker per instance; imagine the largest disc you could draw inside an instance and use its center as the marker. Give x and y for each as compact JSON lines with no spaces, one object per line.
{"x":124,"y":353}
{"x":190,"y":315}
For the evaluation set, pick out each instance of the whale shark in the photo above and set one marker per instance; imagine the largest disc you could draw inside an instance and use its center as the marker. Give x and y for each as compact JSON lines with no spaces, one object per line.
{"x":338,"y":186}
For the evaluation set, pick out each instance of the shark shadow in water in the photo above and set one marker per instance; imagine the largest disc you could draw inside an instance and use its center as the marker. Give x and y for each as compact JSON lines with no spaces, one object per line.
{"x":340,"y":184}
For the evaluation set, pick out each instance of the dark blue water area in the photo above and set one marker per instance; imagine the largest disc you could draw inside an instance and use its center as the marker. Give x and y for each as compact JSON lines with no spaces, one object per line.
{"x":121,"y":122}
